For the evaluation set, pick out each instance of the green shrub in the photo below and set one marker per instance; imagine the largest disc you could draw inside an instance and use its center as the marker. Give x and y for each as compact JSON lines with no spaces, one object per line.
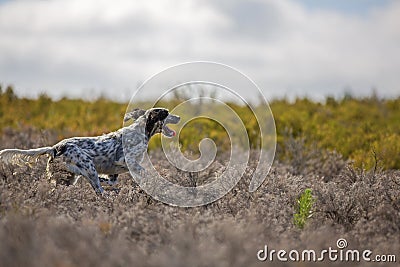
{"x":304,"y":208}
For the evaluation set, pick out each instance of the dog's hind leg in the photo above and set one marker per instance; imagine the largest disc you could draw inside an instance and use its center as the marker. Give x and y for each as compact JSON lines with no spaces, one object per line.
{"x":80,"y":163}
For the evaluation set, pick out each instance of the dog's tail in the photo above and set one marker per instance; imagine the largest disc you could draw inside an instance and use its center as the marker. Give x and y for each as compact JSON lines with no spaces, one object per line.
{"x":19,"y":156}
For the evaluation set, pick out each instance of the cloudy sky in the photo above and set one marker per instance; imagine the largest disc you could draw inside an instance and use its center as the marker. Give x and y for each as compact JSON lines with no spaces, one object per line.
{"x":99,"y":47}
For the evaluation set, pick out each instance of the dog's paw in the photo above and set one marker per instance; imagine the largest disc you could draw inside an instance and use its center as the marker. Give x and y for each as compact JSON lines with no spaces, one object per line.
{"x":99,"y":191}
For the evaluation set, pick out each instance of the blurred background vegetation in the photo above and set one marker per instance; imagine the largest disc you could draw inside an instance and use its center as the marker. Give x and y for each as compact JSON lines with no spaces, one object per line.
{"x":364,"y":130}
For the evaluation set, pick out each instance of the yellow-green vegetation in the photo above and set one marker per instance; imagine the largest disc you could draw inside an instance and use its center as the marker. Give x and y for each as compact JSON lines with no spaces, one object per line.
{"x":304,"y":208}
{"x":66,"y":116}
{"x":364,"y":130}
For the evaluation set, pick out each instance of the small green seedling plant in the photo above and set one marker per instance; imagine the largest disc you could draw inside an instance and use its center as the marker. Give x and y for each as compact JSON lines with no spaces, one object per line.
{"x":304,"y":212}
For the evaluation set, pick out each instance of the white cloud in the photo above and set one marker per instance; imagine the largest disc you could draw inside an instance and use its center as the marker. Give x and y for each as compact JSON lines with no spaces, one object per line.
{"x":66,"y":47}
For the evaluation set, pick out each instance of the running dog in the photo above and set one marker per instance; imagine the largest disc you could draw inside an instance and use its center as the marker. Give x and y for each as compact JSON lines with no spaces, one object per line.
{"x":106,"y":154}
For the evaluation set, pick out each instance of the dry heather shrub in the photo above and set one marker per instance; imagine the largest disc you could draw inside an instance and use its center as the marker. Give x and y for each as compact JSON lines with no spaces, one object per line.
{"x":41,"y":225}
{"x":310,"y":160}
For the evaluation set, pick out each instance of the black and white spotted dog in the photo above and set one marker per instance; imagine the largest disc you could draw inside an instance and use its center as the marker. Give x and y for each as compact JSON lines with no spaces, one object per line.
{"x":91,"y":156}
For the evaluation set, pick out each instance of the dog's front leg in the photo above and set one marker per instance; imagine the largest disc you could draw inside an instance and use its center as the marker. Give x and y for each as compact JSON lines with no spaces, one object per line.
{"x":138,"y":170}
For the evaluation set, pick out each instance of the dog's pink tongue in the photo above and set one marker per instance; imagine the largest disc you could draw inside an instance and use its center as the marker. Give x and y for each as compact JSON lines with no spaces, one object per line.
{"x":173,"y":133}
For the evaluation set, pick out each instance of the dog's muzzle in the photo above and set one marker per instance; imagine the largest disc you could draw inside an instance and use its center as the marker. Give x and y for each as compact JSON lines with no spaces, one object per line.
{"x":172,"y":119}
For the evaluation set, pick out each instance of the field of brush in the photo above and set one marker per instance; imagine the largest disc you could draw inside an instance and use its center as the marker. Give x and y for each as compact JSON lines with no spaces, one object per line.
{"x":346,"y":151}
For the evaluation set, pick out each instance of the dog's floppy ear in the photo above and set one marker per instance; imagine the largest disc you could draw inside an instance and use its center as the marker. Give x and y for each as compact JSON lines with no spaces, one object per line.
{"x":134,"y":114}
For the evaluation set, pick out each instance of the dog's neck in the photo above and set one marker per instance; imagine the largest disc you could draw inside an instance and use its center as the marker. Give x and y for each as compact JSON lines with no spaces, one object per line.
{"x":139,"y":126}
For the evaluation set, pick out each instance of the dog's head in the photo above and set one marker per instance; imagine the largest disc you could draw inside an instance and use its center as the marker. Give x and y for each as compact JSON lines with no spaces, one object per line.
{"x":156,"y":120}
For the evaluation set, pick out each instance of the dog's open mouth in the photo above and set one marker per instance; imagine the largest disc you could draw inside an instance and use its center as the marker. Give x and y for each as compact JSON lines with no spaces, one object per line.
{"x":173,"y":119}
{"x":168,"y":131}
